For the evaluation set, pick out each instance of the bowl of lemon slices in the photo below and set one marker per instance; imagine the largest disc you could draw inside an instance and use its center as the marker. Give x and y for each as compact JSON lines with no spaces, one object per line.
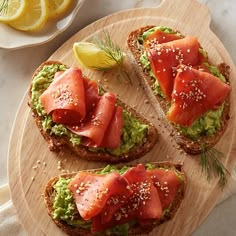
{"x":26,"y":23}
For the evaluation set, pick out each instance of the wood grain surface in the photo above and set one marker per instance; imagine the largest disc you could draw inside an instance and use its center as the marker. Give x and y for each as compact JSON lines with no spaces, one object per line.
{"x":31,"y":164}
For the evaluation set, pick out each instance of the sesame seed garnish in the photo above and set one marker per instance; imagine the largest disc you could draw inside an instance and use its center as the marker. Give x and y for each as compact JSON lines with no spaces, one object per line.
{"x":117,"y":216}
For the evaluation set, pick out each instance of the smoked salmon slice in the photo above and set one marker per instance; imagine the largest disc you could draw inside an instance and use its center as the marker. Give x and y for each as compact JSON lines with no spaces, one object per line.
{"x":144,"y":203}
{"x":195,"y":92}
{"x":91,"y":94}
{"x":92,"y":191}
{"x":158,"y":37}
{"x":113,"y":133}
{"x":167,"y":183}
{"x":165,"y":57}
{"x":93,"y":130}
{"x":65,"y":96}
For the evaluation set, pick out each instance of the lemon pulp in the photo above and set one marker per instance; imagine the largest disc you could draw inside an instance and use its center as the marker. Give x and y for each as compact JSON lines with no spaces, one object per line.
{"x":89,"y":55}
{"x":34,"y":17}
{"x":57,"y":7}
{"x":11,"y":10}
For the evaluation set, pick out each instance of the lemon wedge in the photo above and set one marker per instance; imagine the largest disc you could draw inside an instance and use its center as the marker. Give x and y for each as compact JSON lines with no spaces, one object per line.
{"x":11,"y":10}
{"x":34,"y":17}
{"x":89,"y":55}
{"x":57,"y":7}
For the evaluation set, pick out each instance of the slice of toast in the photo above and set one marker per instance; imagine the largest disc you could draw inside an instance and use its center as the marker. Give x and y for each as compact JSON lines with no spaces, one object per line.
{"x":160,"y":105}
{"x":61,"y":143}
{"x":49,"y":195}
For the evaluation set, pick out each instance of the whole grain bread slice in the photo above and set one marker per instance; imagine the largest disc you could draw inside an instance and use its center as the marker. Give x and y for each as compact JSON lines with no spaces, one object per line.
{"x":58,"y":144}
{"x":136,"y":229}
{"x":161,"y":106}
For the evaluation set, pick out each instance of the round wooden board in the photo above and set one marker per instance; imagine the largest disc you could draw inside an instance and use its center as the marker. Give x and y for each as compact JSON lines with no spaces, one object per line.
{"x":28,"y":149}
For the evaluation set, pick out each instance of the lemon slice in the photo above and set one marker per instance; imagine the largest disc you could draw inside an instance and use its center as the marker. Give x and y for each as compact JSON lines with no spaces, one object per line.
{"x":34,"y":17}
{"x":11,"y":10}
{"x":89,"y":55}
{"x":57,"y":7}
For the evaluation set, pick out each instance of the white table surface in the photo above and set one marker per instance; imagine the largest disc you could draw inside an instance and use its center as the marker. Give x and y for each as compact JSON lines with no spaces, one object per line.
{"x":16,"y":65}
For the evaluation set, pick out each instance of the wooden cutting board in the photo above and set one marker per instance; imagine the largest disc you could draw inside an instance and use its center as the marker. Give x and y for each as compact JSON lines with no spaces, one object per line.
{"x":31,"y":164}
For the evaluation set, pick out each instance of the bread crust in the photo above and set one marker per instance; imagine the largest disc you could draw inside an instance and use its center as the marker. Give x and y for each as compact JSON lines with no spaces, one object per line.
{"x":161,"y":106}
{"x":58,"y":144}
{"x":49,"y":194}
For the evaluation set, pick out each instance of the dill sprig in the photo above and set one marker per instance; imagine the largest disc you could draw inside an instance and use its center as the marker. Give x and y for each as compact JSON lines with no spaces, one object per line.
{"x":211,"y":164}
{"x":4,"y":7}
{"x":113,"y":52}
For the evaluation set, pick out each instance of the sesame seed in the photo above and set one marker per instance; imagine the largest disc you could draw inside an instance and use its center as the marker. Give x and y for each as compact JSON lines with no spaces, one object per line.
{"x":117,"y":216}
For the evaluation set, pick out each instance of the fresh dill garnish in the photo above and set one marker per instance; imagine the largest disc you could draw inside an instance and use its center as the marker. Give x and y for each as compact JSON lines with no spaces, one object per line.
{"x":211,"y":164}
{"x":113,"y":52}
{"x":4,"y":7}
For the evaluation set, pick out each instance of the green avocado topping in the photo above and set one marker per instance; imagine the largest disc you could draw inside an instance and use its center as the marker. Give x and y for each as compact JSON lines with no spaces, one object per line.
{"x":207,"y":125}
{"x":64,"y":205}
{"x":210,"y":122}
{"x":133,"y":131}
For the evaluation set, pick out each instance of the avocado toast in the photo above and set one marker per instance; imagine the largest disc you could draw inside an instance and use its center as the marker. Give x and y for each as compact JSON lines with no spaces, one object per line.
{"x":162,"y":57}
{"x":72,"y":203}
{"x":134,"y":134}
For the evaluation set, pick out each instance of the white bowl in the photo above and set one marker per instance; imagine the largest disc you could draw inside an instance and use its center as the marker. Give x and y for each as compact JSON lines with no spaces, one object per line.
{"x":11,"y":38}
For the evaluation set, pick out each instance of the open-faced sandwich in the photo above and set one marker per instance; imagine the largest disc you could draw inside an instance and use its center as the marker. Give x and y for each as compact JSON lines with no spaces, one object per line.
{"x":116,"y":201}
{"x":182,"y":84}
{"x":75,"y":112}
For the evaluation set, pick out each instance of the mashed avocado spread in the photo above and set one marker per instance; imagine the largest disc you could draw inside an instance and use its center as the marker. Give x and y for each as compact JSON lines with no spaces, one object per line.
{"x":133,"y":131}
{"x":210,"y":122}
